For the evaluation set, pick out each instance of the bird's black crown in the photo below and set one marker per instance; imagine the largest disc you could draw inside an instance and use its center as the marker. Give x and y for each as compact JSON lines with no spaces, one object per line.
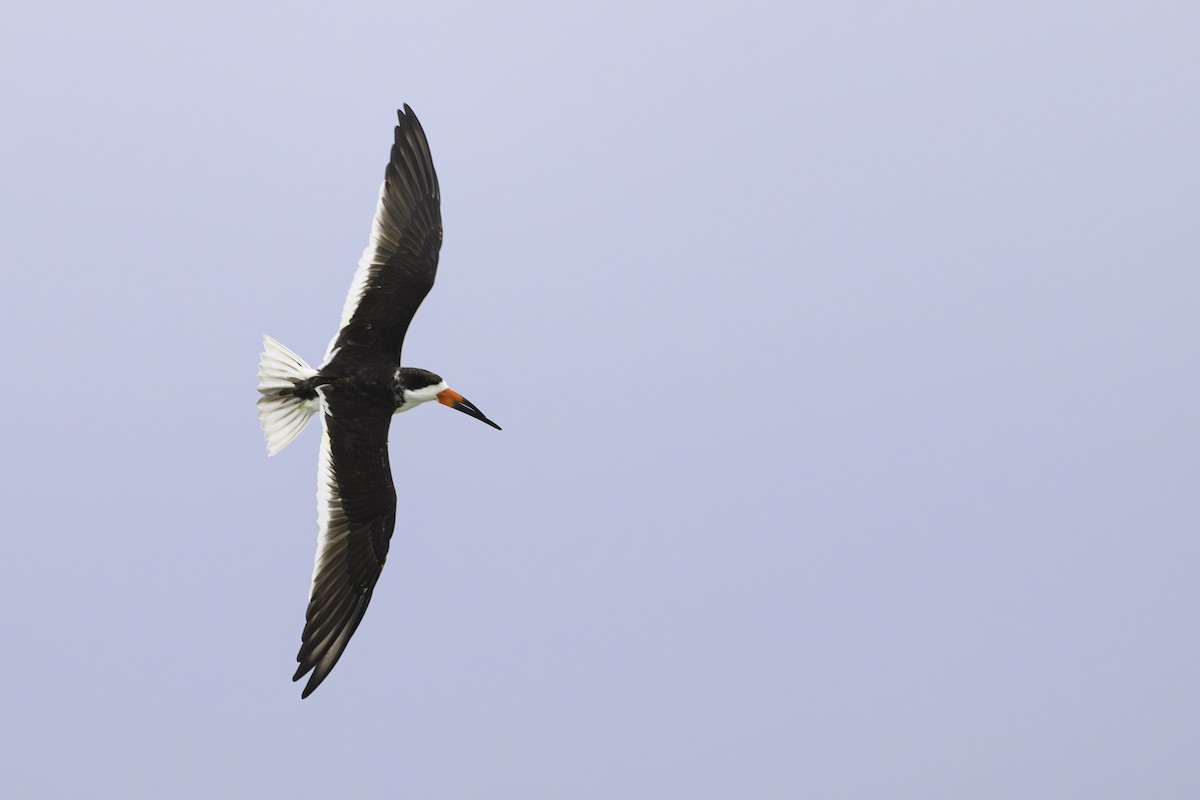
{"x":411,"y":378}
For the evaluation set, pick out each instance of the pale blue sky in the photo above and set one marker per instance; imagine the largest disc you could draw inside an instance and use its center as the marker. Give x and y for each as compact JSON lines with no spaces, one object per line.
{"x":845,"y":353}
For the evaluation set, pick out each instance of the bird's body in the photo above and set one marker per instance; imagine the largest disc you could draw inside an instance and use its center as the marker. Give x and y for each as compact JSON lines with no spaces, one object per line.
{"x":357,"y":390}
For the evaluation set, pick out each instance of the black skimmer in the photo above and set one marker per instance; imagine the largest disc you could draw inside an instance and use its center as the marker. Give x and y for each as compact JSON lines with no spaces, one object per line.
{"x":357,"y":389}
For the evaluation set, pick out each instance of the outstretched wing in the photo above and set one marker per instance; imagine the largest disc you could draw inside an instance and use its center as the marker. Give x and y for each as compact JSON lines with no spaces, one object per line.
{"x":397,"y":269}
{"x":356,"y":509}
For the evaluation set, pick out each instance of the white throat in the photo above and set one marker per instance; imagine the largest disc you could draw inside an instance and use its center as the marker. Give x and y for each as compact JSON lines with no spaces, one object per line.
{"x":415,"y":397}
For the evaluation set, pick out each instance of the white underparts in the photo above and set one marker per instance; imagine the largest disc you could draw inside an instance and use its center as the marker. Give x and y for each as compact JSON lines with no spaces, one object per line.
{"x":282,"y":414}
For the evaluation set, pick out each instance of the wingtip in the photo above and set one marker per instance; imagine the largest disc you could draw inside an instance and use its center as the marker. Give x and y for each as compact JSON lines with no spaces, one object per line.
{"x":313,"y":683}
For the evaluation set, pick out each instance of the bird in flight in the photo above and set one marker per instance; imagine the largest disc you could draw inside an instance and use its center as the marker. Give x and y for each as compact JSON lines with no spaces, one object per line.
{"x":357,"y":389}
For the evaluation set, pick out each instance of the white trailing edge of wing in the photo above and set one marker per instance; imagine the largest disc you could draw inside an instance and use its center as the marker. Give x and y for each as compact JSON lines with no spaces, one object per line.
{"x":282,"y":413}
{"x":370,"y":262}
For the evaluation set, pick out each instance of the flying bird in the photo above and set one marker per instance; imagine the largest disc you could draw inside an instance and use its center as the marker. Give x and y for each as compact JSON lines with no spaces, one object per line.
{"x":358,"y":387}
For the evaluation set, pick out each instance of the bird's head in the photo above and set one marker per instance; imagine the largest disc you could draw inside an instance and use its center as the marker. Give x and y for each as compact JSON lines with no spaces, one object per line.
{"x":417,"y":386}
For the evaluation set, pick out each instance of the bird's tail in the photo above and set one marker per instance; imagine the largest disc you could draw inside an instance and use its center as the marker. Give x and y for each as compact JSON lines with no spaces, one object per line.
{"x":282,"y":410}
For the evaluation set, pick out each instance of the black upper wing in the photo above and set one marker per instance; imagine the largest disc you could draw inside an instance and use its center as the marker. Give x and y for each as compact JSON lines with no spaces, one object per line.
{"x":398,"y":267}
{"x":357,"y":513}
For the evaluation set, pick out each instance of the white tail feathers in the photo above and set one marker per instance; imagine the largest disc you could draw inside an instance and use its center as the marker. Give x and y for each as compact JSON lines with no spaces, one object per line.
{"x":283,"y":414}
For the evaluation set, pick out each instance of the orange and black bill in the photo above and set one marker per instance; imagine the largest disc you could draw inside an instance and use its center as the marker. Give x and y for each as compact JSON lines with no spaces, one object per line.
{"x":449,"y":397}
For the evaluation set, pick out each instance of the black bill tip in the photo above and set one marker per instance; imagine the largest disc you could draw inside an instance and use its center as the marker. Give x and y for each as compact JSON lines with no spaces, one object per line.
{"x":471,"y":410}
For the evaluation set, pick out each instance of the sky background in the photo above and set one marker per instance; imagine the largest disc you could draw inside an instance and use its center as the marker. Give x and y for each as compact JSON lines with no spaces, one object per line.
{"x":846,"y":355}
